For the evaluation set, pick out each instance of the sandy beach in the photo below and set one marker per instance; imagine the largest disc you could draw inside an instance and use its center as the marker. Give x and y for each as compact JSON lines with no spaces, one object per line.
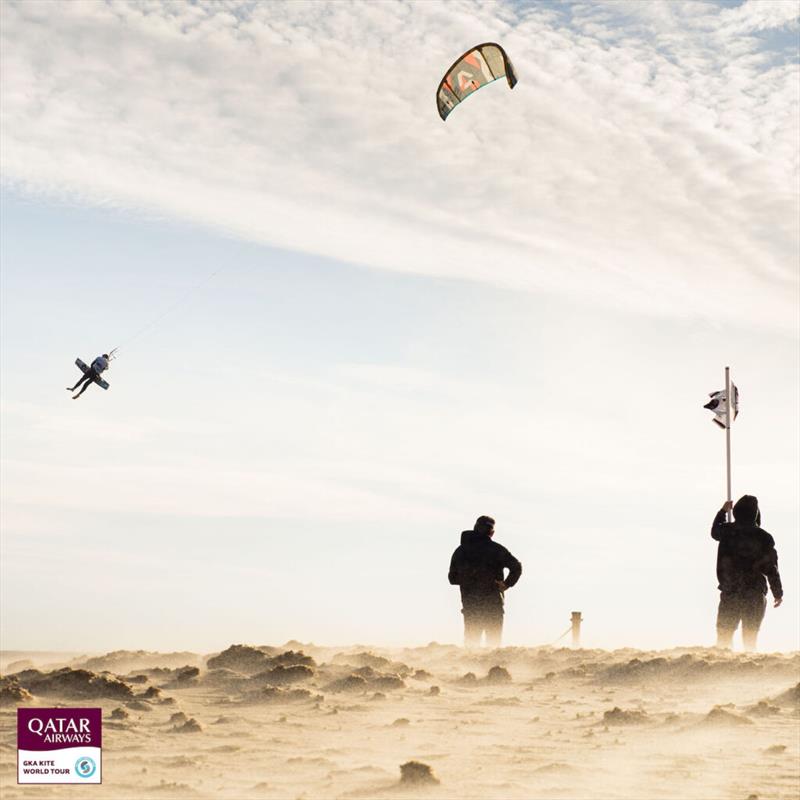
{"x":299,"y":721}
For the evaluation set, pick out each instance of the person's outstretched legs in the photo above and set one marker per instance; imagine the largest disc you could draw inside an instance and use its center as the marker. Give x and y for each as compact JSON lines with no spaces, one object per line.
{"x":89,"y":382}
{"x":82,"y":379}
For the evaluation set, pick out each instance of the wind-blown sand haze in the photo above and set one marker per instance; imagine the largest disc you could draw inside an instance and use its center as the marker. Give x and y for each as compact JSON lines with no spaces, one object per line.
{"x":300,"y":721}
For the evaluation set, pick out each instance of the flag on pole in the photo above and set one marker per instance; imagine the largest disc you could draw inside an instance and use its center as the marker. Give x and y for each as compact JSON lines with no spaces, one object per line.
{"x":718,"y":405}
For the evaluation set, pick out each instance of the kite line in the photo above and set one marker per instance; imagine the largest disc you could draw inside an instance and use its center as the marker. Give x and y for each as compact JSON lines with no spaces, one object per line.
{"x":169,"y":310}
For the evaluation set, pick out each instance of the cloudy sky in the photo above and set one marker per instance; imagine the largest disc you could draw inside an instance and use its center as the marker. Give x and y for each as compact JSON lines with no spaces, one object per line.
{"x":347,"y":328}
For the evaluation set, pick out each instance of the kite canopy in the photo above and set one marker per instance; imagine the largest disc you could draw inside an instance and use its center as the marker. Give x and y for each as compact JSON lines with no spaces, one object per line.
{"x":480,"y":65}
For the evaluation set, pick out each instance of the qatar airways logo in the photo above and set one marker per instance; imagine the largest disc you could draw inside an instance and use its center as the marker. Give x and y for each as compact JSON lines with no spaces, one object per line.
{"x":59,"y":745}
{"x":61,"y":730}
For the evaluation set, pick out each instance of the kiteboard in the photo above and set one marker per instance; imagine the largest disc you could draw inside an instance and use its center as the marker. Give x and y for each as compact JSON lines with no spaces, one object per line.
{"x":85,"y":369}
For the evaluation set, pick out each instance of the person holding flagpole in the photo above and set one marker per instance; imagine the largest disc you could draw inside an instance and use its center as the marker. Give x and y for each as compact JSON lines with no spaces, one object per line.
{"x":746,"y":557}
{"x":746,"y":562}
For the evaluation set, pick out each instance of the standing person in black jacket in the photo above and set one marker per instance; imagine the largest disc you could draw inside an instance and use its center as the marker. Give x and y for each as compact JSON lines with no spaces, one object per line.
{"x":746,"y":560}
{"x":477,"y":566}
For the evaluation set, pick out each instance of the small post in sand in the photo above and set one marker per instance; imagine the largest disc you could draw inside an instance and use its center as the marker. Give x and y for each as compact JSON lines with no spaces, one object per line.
{"x":576,"y":628}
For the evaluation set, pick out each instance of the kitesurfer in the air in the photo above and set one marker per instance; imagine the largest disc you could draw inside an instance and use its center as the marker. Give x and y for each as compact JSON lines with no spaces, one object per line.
{"x":746,"y":562}
{"x":99,"y":365}
{"x":478,"y":567}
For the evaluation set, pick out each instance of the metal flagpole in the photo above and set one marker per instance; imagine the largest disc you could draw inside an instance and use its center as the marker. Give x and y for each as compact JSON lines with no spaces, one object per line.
{"x":728,"y":421}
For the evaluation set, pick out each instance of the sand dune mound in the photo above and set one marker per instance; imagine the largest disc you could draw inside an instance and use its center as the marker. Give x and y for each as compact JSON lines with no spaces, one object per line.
{"x":690,"y":667}
{"x":618,"y":716}
{"x":294,"y":644}
{"x":281,"y":676}
{"x":349,"y":683}
{"x":272,"y":694}
{"x":223,"y":678}
{"x":719,"y":717}
{"x":182,"y":677}
{"x":276,"y":676}
{"x":346,"y":678}
{"x":637,"y":670}
{"x":122,"y":661}
{"x":73,"y":684}
{"x":154,"y":673}
{"x":12,"y":694}
{"x":292,"y":658}
{"x":497,"y":676}
{"x":367,"y":673}
{"x":386,"y":682}
{"x":190,"y":725}
{"x":248,"y":660}
{"x":790,"y":698}
{"x":362,"y":659}
{"x":415,"y":773}
{"x":241,"y":658}
{"x":376,"y":662}
{"x":763,"y":709}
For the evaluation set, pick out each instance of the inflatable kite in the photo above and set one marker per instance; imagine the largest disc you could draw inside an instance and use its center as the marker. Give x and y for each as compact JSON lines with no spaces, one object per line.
{"x":480,"y":65}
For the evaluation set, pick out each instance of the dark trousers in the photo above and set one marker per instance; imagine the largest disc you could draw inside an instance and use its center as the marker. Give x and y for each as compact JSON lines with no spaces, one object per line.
{"x":482,"y":619}
{"x":747,"y":608}
{"x":88,"y":377}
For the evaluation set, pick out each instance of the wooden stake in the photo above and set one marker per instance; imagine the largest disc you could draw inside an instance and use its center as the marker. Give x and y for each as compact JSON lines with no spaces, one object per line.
{"x":576,"y":628}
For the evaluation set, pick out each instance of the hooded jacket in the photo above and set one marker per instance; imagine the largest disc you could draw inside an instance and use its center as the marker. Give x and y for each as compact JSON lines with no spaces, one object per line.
{"x":476,"y":566}
{"x":746,"y":556}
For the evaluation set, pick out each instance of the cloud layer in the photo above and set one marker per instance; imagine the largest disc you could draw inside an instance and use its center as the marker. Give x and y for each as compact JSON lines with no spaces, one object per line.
{"x":647,"y":157}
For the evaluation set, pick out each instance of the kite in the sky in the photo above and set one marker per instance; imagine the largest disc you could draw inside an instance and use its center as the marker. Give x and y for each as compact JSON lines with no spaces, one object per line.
{"x":480,"y":65}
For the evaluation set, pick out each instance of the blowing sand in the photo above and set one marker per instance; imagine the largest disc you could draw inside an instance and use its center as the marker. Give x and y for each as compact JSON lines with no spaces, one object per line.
{"x":299,"y":721}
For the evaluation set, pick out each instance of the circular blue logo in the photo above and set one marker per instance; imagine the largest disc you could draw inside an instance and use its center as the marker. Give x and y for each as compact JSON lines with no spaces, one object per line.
{"x":85,"y":767}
